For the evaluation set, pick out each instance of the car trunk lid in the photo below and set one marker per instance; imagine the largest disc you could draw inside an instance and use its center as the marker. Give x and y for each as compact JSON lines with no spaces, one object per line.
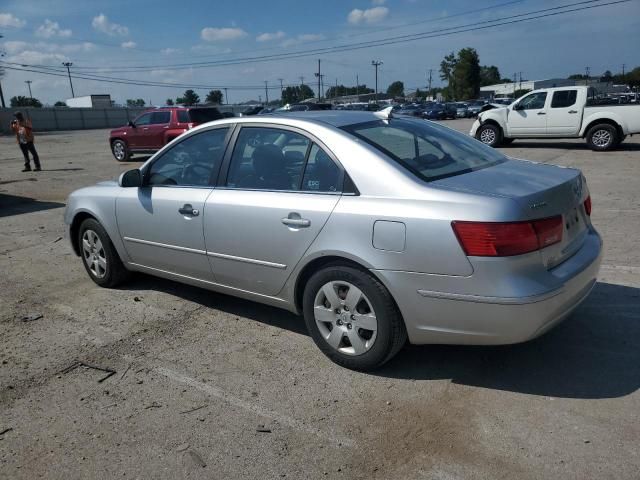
{"x":541,"y":191}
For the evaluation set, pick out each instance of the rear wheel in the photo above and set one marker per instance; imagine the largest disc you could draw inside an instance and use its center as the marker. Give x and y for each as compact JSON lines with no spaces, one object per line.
{"x":352,"y":317}
{"x":602,"y":137}
{"x":490,"y":134}
{"x":120,"y":151}
{"x":99,"y":256}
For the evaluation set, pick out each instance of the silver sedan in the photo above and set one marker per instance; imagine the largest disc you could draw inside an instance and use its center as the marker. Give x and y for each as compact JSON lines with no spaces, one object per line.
{"x":376,"y":229}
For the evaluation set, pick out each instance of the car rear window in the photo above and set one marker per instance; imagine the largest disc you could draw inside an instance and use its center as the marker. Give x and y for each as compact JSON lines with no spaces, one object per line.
{"x":430,"y":151}
{"x":203,"y":115}
{"x":183,"y":116}
{"x":564,"y":98}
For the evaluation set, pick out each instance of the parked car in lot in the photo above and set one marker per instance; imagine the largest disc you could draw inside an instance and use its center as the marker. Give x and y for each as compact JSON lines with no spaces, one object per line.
{"x":152,"y":130}
{"x":475,"y":107}
{"x":434,"y":112}
{"x":562,"y":112}
{"x":376,"y":229}
{"x":253,"y":110}
{"x":462,"y":110}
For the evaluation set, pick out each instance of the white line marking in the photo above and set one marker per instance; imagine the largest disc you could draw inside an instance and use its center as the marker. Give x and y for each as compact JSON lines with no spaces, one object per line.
{"x":622,"y":268}
{"x":251,"y":407}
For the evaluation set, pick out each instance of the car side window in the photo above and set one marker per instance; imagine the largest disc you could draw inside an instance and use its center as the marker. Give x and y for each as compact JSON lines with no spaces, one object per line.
{"x":535,"y":101}
{"x":183,"y":116}
{"x":321,"y":174}
{"x":144,"y":119}
{"x":190,"y":162}
{"x":564,"y":98}
{"x":267,"y":159}
{"x":158,"y":118}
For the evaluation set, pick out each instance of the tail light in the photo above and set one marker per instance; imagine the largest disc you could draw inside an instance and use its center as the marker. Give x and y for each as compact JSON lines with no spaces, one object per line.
{"x":503,"y":239}
{"x":587,"y":205}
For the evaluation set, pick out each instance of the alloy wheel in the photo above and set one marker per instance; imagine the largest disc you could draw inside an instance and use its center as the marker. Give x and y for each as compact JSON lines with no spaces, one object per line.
{"x":345,"y":318}
{"x":118,"y":150}
{"x":601,"y":138}
{"x":487,"y":136}
{"x":93,"y":254}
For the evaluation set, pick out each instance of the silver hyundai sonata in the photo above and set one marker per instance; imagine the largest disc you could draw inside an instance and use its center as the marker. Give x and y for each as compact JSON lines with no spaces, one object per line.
{"x":377,"y":229}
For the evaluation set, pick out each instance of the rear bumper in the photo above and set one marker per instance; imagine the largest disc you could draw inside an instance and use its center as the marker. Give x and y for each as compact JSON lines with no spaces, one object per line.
{"x":450,"y":317}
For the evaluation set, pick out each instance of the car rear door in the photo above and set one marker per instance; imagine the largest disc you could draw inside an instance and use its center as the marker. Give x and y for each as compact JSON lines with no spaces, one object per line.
{"x":154,"y":133}
{"x":161,"y":223}
{"x":269,"y":207}
{"x":528,"y":117}
{"x":564,"y":116}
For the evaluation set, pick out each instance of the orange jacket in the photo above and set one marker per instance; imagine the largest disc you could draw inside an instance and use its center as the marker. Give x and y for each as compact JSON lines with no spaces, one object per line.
{"x":28,"y":129}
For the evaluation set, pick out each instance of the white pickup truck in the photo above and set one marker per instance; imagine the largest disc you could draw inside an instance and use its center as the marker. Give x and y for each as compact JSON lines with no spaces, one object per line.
{"x":558,"y":113}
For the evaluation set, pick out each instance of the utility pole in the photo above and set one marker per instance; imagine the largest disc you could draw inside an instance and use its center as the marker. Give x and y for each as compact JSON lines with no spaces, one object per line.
{"x":69,"y":64}
{"x":357,"y":85}
{"x":623,"y":65}
{"x":226,"y":96}
{"x":587,"y":70}
{"x":317,"y":74}
{"x":29,"y":82}
{"x":281,"y":91}
{"x":430,"y":72}
{"x":519,"y":80}
{"x":376,"y":64}
{"x":515,"y":76}
{"x":335,"y":94}
{"x":1,"y":94}
{"x":266,"y":92}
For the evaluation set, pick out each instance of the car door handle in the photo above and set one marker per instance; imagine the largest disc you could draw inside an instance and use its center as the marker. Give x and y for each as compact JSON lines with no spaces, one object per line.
{"x":541,"y":113}
{"x":573,"y":111}
{"x":187,"y":209}
{"x":295,"y":220}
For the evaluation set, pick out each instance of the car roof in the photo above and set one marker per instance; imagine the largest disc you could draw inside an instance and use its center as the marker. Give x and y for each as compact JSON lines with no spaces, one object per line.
{"x":337,"y":118}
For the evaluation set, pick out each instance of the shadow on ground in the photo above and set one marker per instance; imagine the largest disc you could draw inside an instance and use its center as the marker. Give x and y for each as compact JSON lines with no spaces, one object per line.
{"x":630,"y":147}
{"x":593,"y":354}
{"x":15,"y":205}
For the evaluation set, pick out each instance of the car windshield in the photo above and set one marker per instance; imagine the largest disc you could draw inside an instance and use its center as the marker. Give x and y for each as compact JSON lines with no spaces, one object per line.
{"x":428,"y":150}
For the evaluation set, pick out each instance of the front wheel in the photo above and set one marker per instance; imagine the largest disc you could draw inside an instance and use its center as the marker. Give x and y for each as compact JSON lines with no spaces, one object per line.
{"x":490,"y":134}
{"x":120,"y":151}
{"x":602,"y":137}
{"x":352,"y":318}
{"x":99,"y":256}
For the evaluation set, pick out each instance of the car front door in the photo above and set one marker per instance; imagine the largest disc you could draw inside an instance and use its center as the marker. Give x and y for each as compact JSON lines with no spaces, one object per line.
{"x":161,"y":223}
{"x":563,"y":116}
{"x":528,"y":117}
{"x":135,"y":134}
{"x":155,"y":132}
{"x":279,"y":191}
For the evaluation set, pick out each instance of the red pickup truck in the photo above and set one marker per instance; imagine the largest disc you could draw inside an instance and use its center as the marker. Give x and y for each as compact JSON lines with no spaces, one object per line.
{"x":153,"y":129}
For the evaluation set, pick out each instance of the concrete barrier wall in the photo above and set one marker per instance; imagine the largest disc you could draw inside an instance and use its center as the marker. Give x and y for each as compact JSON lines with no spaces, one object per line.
{"x":64,"y":118}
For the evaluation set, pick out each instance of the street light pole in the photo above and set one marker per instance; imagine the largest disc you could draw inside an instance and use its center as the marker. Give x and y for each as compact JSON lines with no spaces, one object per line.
{"x":69,"y":64}
{"x":28,"y":82}
{"x":376,"y":64}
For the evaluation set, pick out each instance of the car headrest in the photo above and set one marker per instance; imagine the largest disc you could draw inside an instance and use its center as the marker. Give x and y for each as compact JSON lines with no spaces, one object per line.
{"x":268,"y":160}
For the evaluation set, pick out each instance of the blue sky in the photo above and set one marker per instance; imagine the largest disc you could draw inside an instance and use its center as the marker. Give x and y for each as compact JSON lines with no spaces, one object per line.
{"x":118,"y":34}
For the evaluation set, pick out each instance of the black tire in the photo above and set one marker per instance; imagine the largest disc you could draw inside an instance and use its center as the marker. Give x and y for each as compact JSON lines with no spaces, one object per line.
{"x":507,"y":141}
{"x":114,"y":272}
{"x":621,"y":139}
{"x":490,"y":135}
{"x":120,"y":151}
{"x":602,"y":137}
{"x":390,"y":336}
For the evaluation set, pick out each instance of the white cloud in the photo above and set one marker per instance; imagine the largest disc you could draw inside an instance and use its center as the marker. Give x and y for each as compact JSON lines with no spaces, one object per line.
{"x":302,"y":38}
{"x":169,"y":51}
{"x":52,"y":29}
{"x":266,"y":37}
{"x":370,"y":15}
{"x":102,"y":24}
{"x":128,"y":44}
{"x":18,"y":47}
{"x":30,"y":57}
{"x":211,"y":34}
{"x":15,"y":46}
{"x":9,"y":20}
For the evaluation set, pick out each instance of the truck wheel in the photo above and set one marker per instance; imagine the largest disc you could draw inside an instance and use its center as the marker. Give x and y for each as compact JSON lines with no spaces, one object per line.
{"x":602,"y":137}
{"x":490,"y":134}
{"x":120,"y":151}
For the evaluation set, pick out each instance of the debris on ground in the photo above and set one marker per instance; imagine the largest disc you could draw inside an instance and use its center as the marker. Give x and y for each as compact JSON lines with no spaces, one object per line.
{"x":195,"y":456}
{"x":77,"y":364}
{"x":32,"y":317}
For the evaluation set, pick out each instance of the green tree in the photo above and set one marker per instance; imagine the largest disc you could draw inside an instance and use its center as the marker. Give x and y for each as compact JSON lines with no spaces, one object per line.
{"x":447,"y":68}
{"x":20,"y":101}
{"x":632,"y":78}
{"x":296,"y":94}
{"x":578,"y":76}
{"x":214,"y":96}
{"x":607,"y":76}
{"x":139,"y":102}
{"x":489,"y":75}
{"x":396,"y":89}
{"x":467,"y":74}
{"x":341,"y":91}
{"x":169,"y":102}
{"x":188,"y":98}
{"x":521,"y":92}
{"x":59,"y":103}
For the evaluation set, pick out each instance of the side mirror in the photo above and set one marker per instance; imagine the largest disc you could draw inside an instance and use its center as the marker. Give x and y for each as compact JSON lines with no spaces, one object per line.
{"x":130,"y":178}
{"x":131,"y":124}
{"x":517,"y":106}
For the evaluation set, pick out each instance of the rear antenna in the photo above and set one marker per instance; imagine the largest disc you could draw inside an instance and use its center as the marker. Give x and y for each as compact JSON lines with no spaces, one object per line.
{"x":384,"y":114}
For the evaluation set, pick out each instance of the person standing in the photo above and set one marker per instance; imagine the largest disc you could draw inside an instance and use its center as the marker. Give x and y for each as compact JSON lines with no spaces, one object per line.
{"x":24,"y":136}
